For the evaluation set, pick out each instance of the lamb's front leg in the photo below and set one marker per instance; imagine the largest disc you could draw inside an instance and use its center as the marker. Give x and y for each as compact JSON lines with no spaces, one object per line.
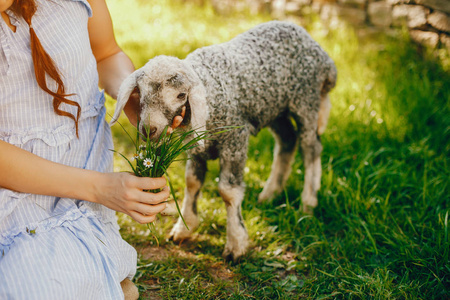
{"x":232,"y":188}
{"x":195,"y":176}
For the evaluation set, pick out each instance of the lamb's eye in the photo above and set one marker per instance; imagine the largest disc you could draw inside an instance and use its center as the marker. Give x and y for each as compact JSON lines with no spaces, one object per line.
{"x":181,"y":96}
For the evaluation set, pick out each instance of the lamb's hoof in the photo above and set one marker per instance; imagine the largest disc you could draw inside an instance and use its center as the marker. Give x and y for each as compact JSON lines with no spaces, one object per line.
{"x":178,"y":236}
{"x":309,"y":202}
{"x":231,"y":257}
{"x":180,"y":233}
{"x":308,"y":209}
{"x":265,"y":197}
{"x":235,"y":253}
{"x":170,"y":210}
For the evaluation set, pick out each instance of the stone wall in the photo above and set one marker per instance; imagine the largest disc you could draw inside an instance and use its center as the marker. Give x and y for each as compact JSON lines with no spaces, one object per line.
{"x":428,"y":21}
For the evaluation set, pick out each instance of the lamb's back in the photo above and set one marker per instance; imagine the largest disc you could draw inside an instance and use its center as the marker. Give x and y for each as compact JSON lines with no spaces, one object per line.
{"x":253,"y":77}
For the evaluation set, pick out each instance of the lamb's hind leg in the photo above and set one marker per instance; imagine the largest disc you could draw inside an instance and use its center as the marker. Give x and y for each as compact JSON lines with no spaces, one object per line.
{"x":312,"y":125}
{"x":286,"y":139}
{"x":311,"y":148}
{"x":195,"y":176}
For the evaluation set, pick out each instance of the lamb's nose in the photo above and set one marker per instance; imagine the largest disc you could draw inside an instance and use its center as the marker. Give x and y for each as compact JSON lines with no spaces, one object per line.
{"x":149,"y":131}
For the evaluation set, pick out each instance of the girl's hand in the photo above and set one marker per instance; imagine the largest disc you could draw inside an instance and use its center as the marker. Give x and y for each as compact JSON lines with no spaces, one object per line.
{"x":25,"y":172}
{"x":124,"y":192}
{"x":177,"y":121}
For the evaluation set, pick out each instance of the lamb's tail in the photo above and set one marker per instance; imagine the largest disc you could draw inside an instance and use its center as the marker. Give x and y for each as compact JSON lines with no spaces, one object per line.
{"x":325,"y":104}
{"x":331,"y":78}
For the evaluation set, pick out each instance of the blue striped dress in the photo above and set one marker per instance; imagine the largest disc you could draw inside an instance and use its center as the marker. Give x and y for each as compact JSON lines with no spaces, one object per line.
{"x":57,"y":248}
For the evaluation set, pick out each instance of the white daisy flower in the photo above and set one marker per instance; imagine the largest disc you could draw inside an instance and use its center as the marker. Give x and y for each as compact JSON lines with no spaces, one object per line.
{"x":141,"y":155}
{"x":135,"y":157}
{"x":148,"y":163}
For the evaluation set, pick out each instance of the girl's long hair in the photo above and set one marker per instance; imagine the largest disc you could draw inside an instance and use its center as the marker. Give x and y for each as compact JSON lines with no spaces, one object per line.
{"x":44,"y":64}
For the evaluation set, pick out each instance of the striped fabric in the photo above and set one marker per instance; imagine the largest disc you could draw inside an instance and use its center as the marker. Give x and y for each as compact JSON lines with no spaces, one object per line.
{"x":57,"y":248}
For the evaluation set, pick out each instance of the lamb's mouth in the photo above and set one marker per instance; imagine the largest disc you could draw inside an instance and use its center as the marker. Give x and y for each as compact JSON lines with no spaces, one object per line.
{"x":187,"y":114}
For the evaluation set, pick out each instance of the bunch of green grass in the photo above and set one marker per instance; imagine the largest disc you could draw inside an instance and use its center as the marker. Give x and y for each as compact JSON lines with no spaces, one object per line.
{"x":153,"y":157}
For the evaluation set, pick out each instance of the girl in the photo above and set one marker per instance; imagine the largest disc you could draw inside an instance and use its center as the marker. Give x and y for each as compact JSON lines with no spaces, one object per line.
{"x":59,"y":237}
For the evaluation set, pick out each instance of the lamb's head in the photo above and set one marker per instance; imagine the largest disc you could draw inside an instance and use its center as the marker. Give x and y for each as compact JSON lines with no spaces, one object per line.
{"x":166,"y":85}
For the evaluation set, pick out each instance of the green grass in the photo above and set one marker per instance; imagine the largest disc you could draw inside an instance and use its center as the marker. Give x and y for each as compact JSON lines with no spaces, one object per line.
{"x":381,"y":228}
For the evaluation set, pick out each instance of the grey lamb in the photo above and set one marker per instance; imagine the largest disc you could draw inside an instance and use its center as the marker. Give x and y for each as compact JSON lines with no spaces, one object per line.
{"x":265,"y":77}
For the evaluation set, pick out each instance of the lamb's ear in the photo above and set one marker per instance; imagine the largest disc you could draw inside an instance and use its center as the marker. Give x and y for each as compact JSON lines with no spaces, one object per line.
{"x":197,"y":100}
{"x":125,"y":90}
{"x":199,"y":107}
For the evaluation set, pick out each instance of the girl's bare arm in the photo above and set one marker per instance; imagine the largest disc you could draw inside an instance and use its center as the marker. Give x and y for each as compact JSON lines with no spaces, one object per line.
{"x":113,"y":64}
{"x":25,"y":172}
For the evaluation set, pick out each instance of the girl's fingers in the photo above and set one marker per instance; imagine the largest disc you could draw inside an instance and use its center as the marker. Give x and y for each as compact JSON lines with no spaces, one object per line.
{"x":142,"y":206}
{"x":142,"y":219}
{"x":155,"y":198}
{"x":149,"y":210}
{"x":178,"y":119}
{"x":145,"y":183}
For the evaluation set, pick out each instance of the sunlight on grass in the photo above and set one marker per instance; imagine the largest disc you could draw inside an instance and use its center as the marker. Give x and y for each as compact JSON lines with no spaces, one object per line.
{"x":172,"y":27}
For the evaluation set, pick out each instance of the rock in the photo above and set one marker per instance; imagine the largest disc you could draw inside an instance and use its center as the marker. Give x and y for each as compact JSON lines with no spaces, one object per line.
{"x":415,"y":15}
{"x":380,"y":13}
{"x":222,"y":7}
{"x":316,"y":7}
{"x":439,"y":20}
{"x":354,"y":3}
{"x":293,"y":8}
{"x":328,"y":12}
{"x":442,"y":5}
{"x":278,"y":8}
{"x":354,"y":16}
{"x":300,"y":2}
{"x":427,"y":38}
{"x":445,"y":40}
{"x":396,"y":2}
{"x":256,"y":7}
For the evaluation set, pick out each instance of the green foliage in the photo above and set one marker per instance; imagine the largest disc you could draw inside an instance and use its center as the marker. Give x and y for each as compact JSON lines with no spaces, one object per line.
{"x":153,"y":157}
{"x":381,"y":228}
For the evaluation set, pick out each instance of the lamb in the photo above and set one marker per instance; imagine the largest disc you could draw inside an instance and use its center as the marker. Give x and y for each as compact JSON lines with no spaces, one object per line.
{"x":274,"y":75}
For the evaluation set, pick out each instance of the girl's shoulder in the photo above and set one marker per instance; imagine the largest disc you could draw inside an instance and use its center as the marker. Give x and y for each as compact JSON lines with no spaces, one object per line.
{"x":46,"y":4}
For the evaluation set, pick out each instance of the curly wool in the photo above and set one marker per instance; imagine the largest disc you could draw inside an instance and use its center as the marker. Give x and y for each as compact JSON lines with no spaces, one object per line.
{"x":254,"y":77}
